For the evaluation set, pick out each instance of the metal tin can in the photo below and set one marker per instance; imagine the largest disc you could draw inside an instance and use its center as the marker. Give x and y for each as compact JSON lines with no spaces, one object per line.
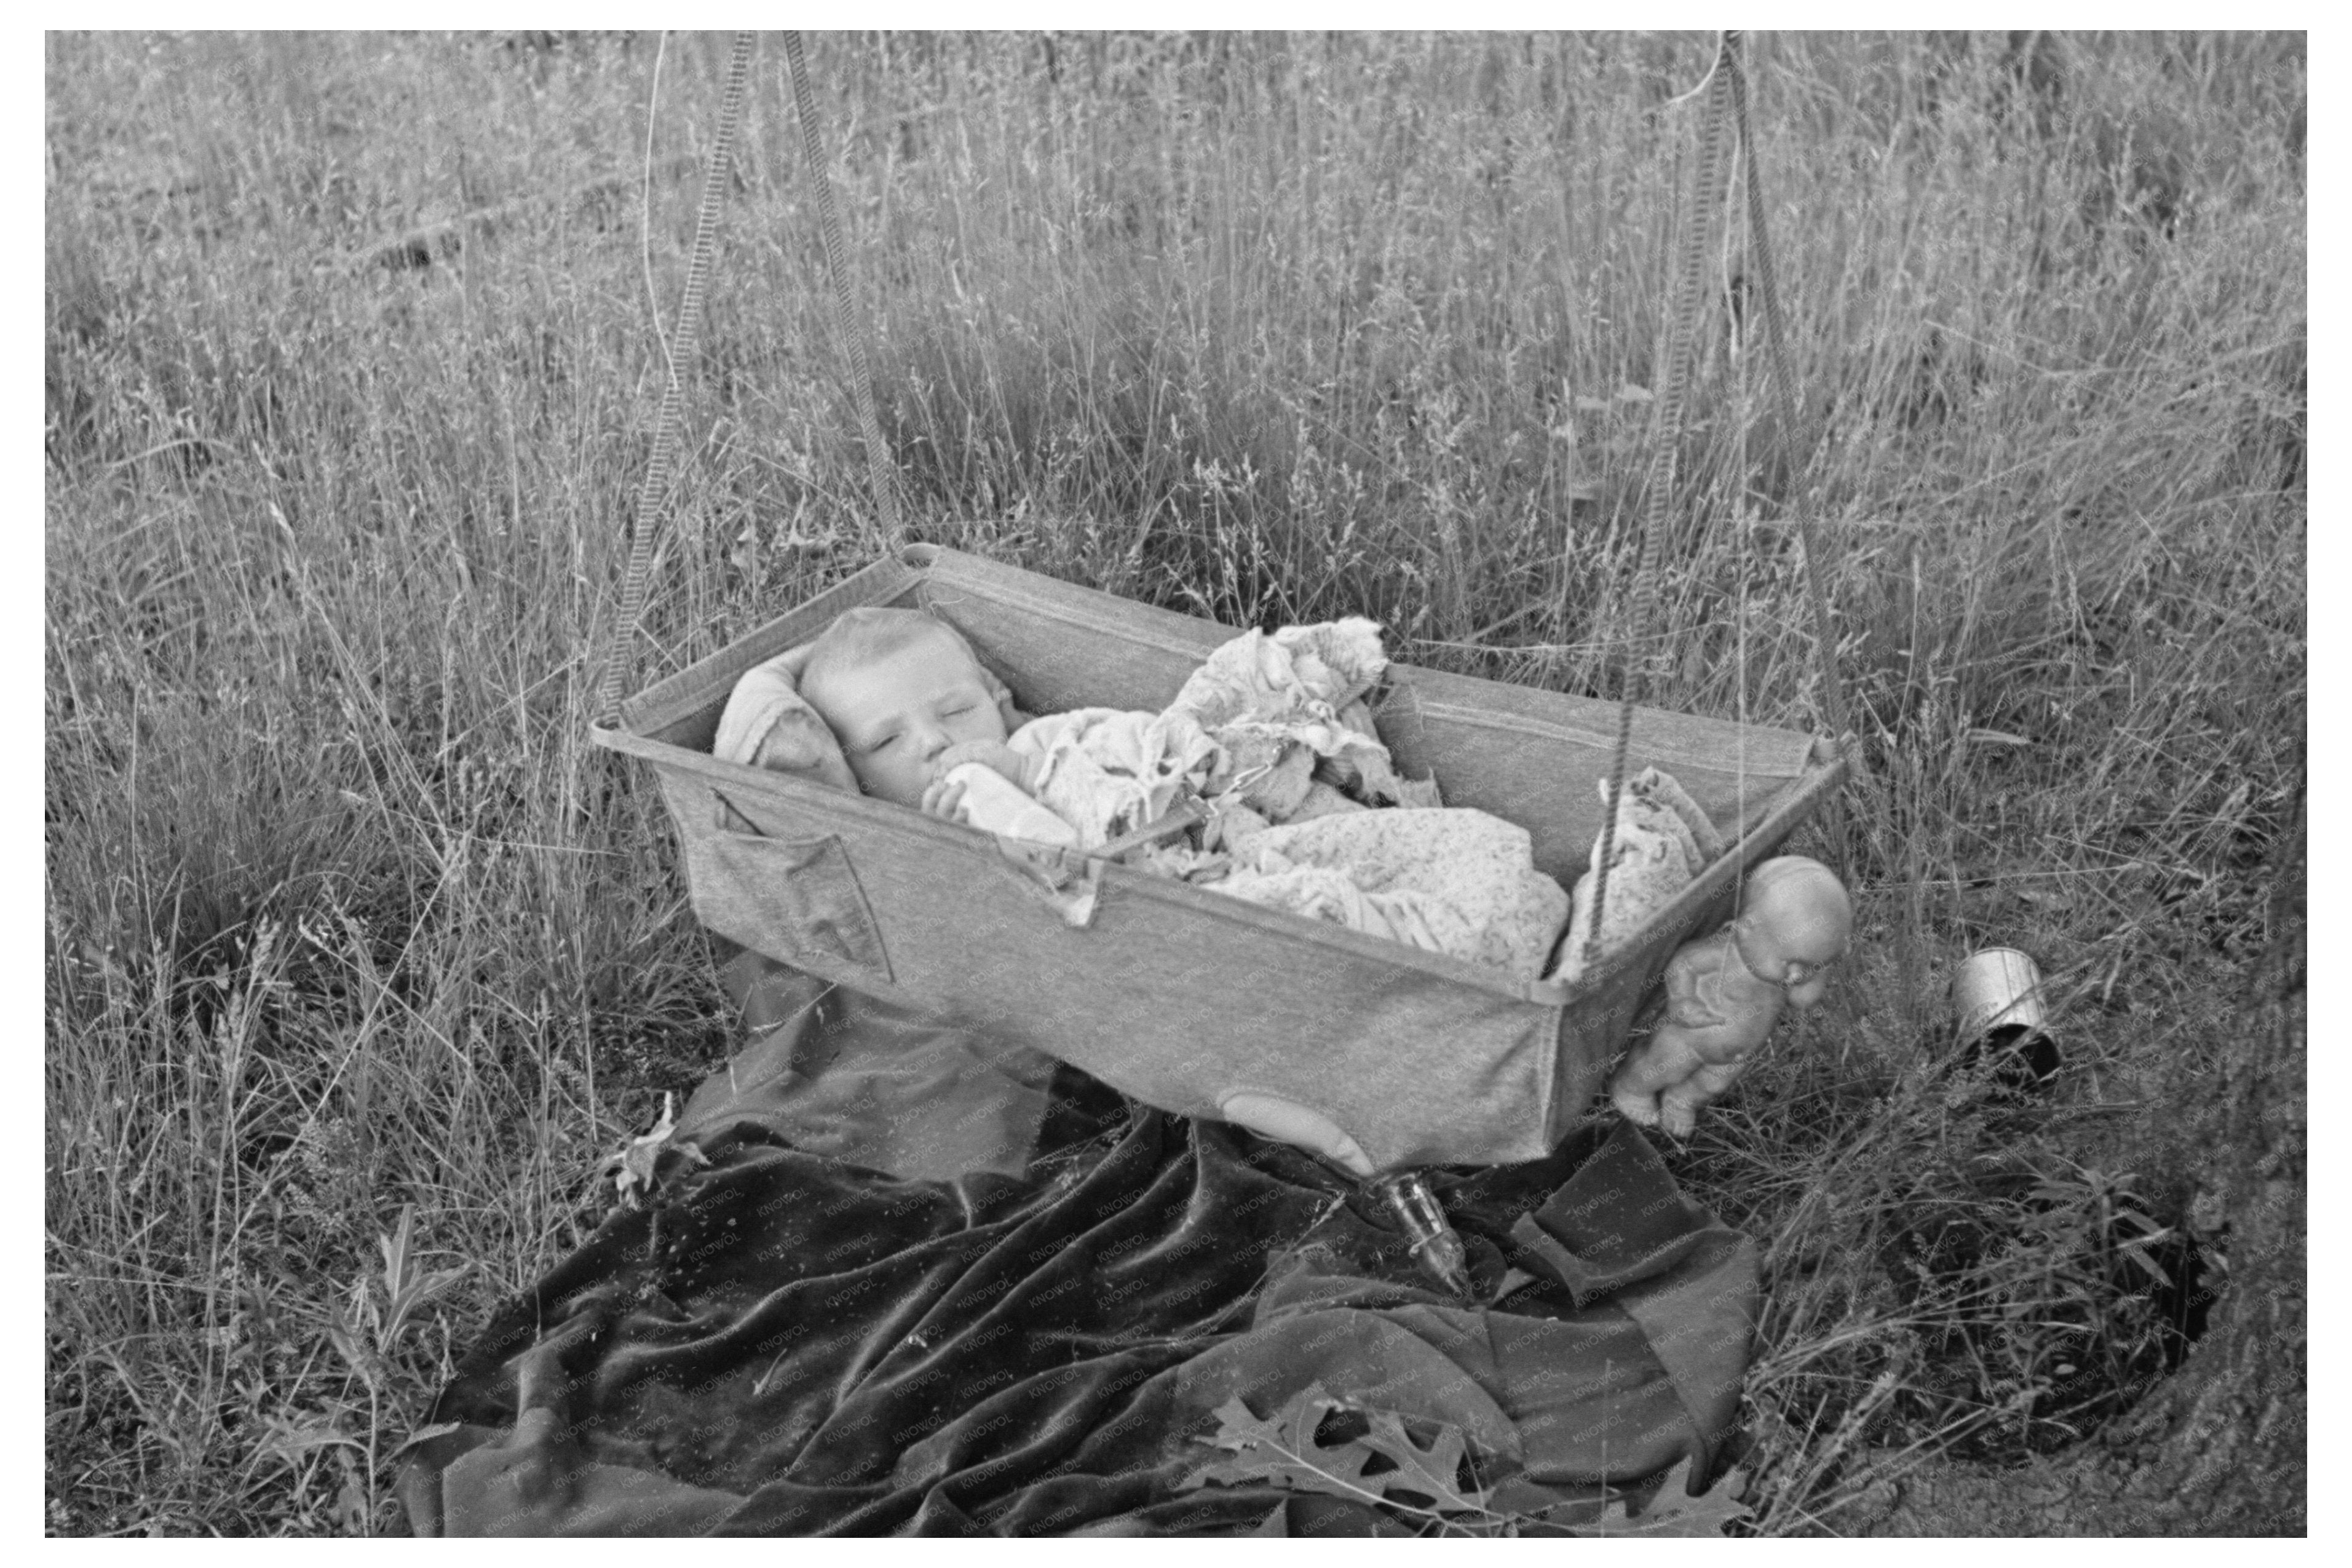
{"x":1997,"y":996}
{"x":1997,"y":987}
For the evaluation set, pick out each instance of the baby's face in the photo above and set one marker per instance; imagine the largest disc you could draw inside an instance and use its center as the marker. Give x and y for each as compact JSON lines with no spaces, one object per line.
{"x":1791,"y":934}
{"x":895,"y":714}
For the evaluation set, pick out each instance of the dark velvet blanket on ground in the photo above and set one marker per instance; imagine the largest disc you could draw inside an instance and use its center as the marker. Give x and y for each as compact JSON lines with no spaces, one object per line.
{"x":782,"y":1340}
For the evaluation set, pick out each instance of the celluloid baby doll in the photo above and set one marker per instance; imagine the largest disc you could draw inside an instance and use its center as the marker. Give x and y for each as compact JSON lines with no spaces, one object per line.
{"x":1723,"y":993}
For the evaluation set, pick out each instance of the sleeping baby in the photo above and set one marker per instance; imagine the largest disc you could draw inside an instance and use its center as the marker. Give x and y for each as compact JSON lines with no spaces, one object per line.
{"x":1271,"y":735}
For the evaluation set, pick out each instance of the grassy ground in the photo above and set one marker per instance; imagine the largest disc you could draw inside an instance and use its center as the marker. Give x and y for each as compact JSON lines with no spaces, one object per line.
{"x":351,"y":937}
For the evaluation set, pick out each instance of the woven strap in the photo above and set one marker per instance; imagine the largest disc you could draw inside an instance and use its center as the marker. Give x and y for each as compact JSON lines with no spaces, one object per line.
{"x":845,"y":316}
{"x":1699,"y":227}
{"x":653,"y":494}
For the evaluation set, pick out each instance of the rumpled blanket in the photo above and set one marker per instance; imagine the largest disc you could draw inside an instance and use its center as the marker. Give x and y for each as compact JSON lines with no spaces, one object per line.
{"x":1106,"y":773}
{"x":1272,"y":726}
{"x":1455,"y":881}
{"x":1272,"y":729}
{"x":785,"y":1342}
{"x":1287,"y":703}
{"x":1664,"y":841}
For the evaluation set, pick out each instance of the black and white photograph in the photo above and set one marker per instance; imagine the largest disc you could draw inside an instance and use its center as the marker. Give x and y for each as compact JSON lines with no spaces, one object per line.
{"x":1357,"y":783}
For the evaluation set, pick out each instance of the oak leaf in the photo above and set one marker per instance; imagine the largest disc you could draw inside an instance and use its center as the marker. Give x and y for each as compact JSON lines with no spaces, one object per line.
{"x":1283,"y":1449}
{"x":1673,"y":1511}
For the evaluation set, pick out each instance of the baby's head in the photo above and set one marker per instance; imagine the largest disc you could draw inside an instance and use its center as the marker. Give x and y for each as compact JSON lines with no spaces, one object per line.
{"x":1795,"y":920}
{"x":897,"y":688}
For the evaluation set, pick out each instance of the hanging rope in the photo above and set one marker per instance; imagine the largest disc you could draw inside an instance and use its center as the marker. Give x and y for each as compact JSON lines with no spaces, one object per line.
{"x":845,"y":317}
{"x":1784,"y":402}
{"x":1707,"y":200}
{"x":653,"y":494}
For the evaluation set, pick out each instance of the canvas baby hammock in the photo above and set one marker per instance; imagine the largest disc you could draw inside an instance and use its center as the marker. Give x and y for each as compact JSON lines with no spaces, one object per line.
{"x":1178,"y":996}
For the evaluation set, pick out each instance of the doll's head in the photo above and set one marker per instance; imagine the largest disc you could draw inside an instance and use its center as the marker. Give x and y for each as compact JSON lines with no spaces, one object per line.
{"x":1795,"y":920}
{"x":897,"y":688}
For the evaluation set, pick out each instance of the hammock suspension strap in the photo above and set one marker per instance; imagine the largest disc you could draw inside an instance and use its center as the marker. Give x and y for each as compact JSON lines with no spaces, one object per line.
{"x":1707,"y":193}
{"x":653,"y":494}
{"x":1724,"y":117}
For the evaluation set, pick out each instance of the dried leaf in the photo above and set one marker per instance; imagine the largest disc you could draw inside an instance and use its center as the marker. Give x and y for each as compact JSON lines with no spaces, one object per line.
{"x":1674,"y":1513}
{"x":637,"y":1170}
{"x":1430,"y":1472}
{"x":1282,"y":1448}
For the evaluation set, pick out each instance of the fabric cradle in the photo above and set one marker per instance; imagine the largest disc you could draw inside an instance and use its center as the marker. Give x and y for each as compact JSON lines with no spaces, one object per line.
{"x":1171,"y":994}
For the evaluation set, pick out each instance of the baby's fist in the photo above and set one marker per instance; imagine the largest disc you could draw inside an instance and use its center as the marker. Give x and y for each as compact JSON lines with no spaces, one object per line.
{"x":943,"y":797}
{"x":994,"y":755}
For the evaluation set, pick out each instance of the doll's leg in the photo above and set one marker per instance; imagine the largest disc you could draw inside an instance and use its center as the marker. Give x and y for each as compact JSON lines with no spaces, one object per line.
{"x":1633,"y":1104}
{"x":1658,"y":1064}
{"x":1678,"y":1106}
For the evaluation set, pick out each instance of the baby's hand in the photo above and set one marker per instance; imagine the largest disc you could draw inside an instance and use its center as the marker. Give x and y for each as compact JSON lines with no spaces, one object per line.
{"x":943,"y":797}
{"x":992,"y":754}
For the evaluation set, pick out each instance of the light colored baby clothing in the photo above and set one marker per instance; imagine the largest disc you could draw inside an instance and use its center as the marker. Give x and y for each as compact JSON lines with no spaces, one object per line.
{"x":1272,"y":732}
{"x":1664,"y":841}
{"x":1107,"y":772}
{"x":1289,"y":703}
{"x":1443,"y":879}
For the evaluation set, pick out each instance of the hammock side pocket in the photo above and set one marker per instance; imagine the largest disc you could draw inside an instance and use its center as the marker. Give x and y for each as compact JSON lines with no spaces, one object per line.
{"x":797,"y":895}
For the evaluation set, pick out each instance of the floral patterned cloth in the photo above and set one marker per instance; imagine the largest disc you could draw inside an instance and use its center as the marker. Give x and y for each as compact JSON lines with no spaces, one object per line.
{"x":1273,"y":730}
{"x":1664,"y":842}
{"x":1106,"y":773}
{"x":1283,"y":704}
{"x":1447,"y":881}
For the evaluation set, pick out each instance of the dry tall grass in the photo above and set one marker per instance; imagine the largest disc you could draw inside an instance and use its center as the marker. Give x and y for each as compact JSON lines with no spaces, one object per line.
{"x":344,"y":916}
